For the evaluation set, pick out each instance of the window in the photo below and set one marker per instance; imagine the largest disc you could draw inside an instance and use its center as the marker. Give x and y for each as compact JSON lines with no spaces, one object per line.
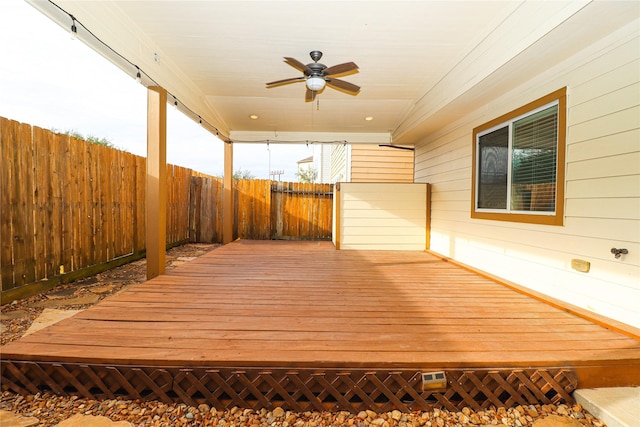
{"x":518,"y":164}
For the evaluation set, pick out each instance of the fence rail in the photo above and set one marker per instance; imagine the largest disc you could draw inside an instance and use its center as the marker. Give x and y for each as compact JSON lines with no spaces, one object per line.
{"x":66,"y":204}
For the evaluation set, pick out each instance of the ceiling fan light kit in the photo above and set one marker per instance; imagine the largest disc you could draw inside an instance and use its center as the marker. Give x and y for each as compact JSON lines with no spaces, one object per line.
{"x":317,"y":75}
{"x":315,"y":83}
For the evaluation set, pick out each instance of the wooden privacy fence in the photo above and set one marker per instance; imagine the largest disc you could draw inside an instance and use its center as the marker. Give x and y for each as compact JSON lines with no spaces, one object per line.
{"x":69,"y":208}
{"x":301,"y":210}
{"x":67,"y":204}
{"x":205,"y":213}
{"x":282,"y":210}
{"x":263,"y":210}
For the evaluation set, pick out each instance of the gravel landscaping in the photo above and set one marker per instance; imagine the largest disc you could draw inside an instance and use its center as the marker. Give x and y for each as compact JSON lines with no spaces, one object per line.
{"x":46,"y":409}
{"x":50,"y":410}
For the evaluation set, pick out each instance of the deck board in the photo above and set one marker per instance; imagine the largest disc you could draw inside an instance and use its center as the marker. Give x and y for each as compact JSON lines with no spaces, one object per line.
{"x":305,"y":305}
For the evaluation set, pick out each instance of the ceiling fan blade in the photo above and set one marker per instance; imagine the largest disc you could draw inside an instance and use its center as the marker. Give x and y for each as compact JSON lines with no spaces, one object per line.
{"x":399,"y":147}
{"x":298,"y":65}
{"x":310,"y":95}
{"x":285,"y":81}
{"x":341,"y":68}
{"x":342,"y":85}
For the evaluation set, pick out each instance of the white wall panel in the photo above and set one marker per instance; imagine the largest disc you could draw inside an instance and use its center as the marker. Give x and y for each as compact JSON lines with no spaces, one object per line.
{"x":376,"y":216}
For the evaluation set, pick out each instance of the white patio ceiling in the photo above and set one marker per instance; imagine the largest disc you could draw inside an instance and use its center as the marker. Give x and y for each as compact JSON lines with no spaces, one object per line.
{"x":422,"y":63}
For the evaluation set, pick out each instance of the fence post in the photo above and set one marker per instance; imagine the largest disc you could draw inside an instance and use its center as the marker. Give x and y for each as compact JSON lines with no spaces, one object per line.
{"x":279,"y":190}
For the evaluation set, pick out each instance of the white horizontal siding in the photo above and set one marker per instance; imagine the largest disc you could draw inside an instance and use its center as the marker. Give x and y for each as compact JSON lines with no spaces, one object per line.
{"x":615,"y":186}
{"x":322,"y":162}
{"x":371,"y":163}
{"x":615,"y":207}
{"x":603,"y":167}
{"x":339,"y":171}
{"x":610,"y":145}
{"x":602,"y":186}
{"x":382,"y":216}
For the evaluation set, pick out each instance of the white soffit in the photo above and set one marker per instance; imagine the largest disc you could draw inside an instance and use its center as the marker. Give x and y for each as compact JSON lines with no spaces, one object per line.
{"x":415,"y":57}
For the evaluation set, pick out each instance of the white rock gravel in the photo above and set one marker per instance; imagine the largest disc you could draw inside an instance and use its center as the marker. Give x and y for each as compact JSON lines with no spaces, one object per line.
{"x":50,"y":410}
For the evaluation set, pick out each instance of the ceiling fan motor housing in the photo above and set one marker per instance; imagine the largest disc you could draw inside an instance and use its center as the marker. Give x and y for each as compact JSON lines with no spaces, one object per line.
{"x":316,"y":69}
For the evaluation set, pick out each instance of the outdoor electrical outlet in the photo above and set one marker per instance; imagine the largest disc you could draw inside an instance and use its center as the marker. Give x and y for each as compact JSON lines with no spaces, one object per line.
{"x":581,"y":265}
{"x":434,"y":381}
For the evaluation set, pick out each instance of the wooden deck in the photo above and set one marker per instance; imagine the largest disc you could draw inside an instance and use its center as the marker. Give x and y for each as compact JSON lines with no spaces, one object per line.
{"x":299,"y":324}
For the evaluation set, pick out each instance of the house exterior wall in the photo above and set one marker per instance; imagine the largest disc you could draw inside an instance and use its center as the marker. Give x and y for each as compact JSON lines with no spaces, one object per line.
{"x":322,"y":162}
{"x":382,"y":216}
{"x":371,"y":163}
{"x":602,"y":186}
{"x":340,"y":172}
{"x":305,"y":164}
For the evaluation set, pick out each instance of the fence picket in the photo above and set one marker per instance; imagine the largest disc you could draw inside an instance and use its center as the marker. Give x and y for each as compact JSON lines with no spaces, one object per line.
{"x":6,"y":182}
{"x":41,"y":202}
{"x":24,"y":234}
{"x":54,"y":221}
{"x":140,"y":207}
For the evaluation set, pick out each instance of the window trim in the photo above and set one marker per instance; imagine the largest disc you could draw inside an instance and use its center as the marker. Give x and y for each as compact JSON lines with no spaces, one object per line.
{"x":559,"y":96}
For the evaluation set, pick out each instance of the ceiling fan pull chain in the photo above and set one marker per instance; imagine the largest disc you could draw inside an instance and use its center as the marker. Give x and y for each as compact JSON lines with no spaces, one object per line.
{"x":318,"y":104}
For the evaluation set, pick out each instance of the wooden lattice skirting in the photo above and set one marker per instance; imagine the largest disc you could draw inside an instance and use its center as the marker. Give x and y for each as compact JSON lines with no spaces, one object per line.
{"x":294,"y":389}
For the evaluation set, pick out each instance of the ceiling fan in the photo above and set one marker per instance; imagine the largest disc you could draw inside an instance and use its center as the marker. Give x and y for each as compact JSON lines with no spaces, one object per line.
{"x":317,"y":75}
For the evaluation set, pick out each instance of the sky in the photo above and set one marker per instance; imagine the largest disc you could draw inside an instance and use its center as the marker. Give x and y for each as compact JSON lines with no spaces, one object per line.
{"x":49,"y":80}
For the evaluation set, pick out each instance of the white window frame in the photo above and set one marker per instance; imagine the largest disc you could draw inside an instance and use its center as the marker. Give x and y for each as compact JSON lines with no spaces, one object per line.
{"x":509,"y":124}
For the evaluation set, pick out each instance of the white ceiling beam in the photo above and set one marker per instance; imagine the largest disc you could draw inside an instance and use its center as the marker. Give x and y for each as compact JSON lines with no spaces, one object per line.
{"x":262,"y":137}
